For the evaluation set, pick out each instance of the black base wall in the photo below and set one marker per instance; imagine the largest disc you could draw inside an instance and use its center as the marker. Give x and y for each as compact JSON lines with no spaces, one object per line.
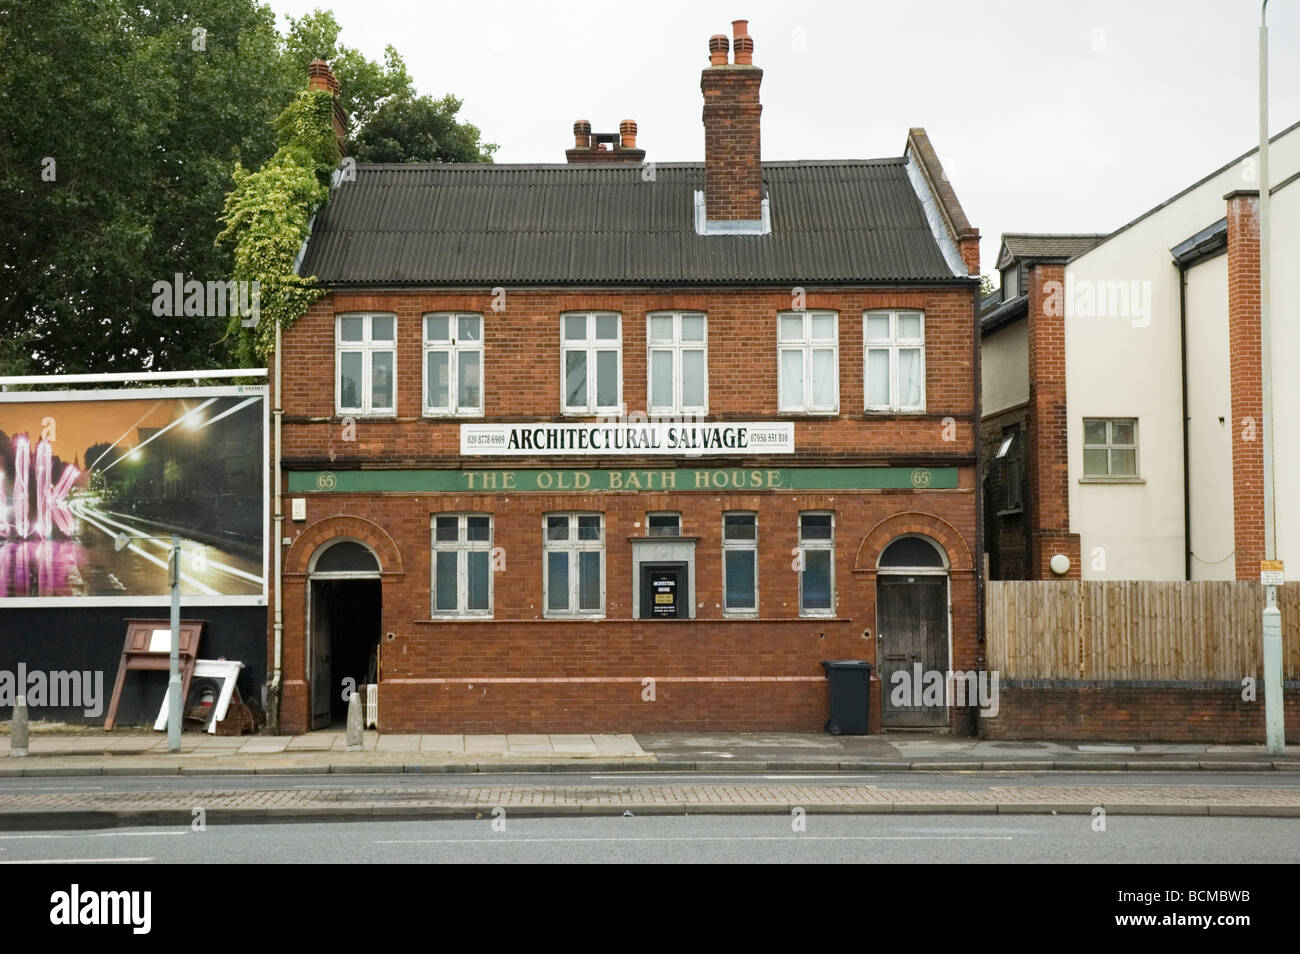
{"x":91,"y":638}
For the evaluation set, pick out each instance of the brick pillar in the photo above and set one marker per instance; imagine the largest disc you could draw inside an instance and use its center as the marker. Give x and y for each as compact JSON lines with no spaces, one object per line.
{"x":320,"y":76}
{"x":1049,"y":456}
{"x":1247,"y":392}
{"x":969,"y":244}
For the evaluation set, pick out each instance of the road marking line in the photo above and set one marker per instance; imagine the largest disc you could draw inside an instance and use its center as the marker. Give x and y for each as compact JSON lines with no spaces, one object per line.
{"x":739,"y":776}
{"x":98,"y":834}
{"x":790,"y":837}
{"x":74,"y":861}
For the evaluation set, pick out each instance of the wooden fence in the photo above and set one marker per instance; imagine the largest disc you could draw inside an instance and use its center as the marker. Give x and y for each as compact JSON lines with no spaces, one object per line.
{"x":1134,"y":629}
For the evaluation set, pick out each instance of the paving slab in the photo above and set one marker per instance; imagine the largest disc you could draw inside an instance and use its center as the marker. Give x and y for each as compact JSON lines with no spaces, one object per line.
{"x":486,"y":745}
{"x":574,"y":745}
{"x":443,"y":743}
{"x":398,"y":743}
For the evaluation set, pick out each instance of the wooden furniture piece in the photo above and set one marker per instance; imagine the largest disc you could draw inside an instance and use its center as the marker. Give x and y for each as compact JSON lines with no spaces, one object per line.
{"x":225,"y":670}
{"x":148,"y":647}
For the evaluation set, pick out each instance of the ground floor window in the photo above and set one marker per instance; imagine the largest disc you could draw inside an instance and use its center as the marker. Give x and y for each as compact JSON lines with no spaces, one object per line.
{"x":817,"y":564}
{"x":740,"y":563}
{"x":574,"y":564}
{"x":462,"y":564}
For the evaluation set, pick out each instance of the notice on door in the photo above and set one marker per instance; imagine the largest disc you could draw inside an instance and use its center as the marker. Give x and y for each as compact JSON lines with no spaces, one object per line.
{"x":663,"y":587}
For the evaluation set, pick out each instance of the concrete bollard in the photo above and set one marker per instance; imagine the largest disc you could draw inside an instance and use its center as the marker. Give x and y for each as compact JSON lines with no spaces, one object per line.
{"x":18,"y":729}
{"x":354,"y":722}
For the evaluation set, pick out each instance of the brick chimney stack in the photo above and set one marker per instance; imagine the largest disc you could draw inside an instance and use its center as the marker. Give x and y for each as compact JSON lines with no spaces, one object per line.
{"x":617,"y":147}
{"x":733,"y":170}
{"x":320,"y":76}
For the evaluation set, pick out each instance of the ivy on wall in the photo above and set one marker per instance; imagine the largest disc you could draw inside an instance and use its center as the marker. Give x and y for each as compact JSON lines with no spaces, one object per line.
{"x":266,"y":216}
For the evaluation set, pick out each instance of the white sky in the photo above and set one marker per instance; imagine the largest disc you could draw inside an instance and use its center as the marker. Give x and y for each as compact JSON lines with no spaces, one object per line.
{"x":1049,"y":116}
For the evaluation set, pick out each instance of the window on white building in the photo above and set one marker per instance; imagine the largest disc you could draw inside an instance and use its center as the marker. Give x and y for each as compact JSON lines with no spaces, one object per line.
{"x":453,"y":364}
{"x":365,"y":359}
{"x":894,"y":362}
{"x":1110,"y":447}
{"x":808,"y":357}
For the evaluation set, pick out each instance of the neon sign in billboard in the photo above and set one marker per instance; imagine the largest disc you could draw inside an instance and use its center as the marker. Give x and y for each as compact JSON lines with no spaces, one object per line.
{"x":94,"y":483}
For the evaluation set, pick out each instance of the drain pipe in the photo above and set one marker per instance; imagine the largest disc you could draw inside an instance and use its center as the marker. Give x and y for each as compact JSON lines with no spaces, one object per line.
{"x":278,"y":413}
{"x":1187,"y":464}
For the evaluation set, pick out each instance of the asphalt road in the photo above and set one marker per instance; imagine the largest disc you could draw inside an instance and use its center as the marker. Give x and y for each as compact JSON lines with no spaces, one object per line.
{"x":826,"y":839}
{"x":955,"y":781}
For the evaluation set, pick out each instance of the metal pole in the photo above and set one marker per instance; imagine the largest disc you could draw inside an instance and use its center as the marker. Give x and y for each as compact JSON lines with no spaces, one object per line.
{"x":174,"y":701}
{"x":1275,"y":734}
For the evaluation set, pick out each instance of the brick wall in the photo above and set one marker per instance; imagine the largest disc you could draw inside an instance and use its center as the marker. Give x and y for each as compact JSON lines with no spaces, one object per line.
{"x":1247,"y":389}
{"x":522,"y":672}
{"x":1152,"y":714}
{"x":570,"y":675}
{"x":1048,"y":484}
{"x":522,"y":371}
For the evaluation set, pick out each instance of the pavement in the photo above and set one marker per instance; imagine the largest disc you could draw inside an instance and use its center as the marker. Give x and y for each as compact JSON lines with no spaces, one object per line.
{"x":668,"y":758}
{"x":139,"y":753}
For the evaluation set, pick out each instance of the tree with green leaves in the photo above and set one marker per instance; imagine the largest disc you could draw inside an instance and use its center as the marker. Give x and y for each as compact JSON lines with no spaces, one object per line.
{"x":126,"y":126}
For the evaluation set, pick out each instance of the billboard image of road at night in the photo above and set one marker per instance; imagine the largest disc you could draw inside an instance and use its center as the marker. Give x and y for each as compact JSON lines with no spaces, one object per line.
{"x":94,"y":484}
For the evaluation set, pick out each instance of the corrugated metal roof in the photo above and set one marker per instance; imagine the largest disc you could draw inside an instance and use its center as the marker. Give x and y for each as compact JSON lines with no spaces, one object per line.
{"x":454,"y":224}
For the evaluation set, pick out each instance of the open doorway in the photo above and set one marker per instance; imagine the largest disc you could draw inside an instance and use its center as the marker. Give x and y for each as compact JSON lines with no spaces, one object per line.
{"x":346,"y":620}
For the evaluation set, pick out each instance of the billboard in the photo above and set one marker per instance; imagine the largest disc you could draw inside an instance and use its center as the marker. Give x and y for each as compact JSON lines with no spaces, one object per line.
{"x":93,"y":484}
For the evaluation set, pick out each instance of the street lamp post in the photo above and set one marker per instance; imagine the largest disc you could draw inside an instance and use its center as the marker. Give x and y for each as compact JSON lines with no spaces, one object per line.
{"x":174,"y":700}
{"x":1275,"y":733}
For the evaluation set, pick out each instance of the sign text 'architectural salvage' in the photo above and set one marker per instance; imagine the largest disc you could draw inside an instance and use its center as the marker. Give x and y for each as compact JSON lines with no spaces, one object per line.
{"x":621,"y":437}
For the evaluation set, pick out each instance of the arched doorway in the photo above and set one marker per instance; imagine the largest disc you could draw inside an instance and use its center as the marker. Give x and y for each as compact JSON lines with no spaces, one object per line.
{"x":913,"y":629}
{"x":345,"y":617}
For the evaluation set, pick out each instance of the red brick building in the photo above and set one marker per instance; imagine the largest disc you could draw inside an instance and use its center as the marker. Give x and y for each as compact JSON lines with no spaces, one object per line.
{"x":619,"y":445}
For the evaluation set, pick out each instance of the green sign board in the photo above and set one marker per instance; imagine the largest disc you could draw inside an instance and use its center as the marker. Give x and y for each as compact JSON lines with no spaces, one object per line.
{"x":550,"y":481}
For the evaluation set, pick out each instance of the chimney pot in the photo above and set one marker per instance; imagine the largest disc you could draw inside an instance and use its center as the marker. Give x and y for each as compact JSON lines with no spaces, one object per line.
{"x":627,"y":130}
{"x":744,"y":50}
{"x":740,"y":28}
{"x":582,"y":134}
{"x":719,"y":46}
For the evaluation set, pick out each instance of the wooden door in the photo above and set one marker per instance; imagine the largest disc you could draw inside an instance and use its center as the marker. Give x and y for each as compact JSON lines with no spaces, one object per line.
{"x":912,"y":630}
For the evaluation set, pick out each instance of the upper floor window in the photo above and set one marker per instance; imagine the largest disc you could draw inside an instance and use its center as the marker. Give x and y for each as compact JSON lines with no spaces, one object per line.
{"x":365,"y":359}
{"x":895,"y":360}
{"x":678,"y":364}
{"x":453,"y":364}
{"x":591,"y":344}
{"x":1110,"y":447}
{"x":462,"y":564}
{"x":808,"y":354}
{"x":574,"y":549}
